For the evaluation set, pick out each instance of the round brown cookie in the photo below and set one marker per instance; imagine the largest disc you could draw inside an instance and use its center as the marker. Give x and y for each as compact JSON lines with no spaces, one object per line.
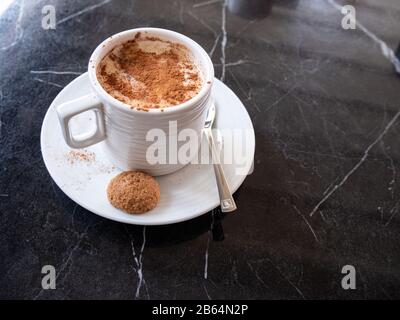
{"x":133,"y":192}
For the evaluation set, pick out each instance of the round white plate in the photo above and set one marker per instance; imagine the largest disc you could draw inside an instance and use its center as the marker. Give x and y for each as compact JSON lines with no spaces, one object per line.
{"x":185,"y":194}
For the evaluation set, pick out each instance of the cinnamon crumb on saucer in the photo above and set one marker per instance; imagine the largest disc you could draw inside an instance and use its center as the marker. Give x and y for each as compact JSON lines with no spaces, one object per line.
{"x":80,"y":156}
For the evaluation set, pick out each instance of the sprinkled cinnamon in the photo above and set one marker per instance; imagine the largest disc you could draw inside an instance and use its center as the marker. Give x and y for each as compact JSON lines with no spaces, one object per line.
{"x":80,"y":156}
{"x":144,"y":76}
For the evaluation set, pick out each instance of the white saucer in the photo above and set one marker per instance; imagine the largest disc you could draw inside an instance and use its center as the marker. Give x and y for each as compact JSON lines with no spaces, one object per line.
{"x":186,"y":194}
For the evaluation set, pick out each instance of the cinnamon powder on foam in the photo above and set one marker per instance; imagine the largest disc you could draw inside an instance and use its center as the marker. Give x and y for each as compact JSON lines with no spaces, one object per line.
{"x":148,"y":72}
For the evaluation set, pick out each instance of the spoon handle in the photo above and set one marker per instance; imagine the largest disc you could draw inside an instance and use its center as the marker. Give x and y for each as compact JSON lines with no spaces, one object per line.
{"x":225,"y":196}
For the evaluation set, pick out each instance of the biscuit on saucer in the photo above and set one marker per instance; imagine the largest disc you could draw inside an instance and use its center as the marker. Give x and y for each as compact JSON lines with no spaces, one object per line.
{"x":134,"y":192}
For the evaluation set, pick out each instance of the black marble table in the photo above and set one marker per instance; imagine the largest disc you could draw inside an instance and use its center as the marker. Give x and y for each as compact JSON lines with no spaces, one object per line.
{"x":325,"y":104}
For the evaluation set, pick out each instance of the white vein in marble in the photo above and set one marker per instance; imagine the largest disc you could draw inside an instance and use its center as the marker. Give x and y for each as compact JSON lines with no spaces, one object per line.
{"x":307,"y":223}
{"x":206,"y":258}
{"x":87,"y":9}
{"x":49,"y":82}
{"x":224,"y":39}
{"x":206,"y":3}
{"x":208,"y":246}
{"x":206,"y":291}
{"x":212,"y":50}
{"x":18,"y":27}
{"x":393,"y":213}
{"x":209,"y":28}
{"x":359,"y":163}
{"x":62,"y":267}
{"x":138,"y":259}
{"x":387,"y":52}
{"x":55,"y":72}
{"x":290,"y":282}
{"x":392,"y":168}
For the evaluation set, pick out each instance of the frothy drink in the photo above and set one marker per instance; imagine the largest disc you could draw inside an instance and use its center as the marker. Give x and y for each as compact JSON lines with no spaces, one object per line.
{"x":149,"y":73}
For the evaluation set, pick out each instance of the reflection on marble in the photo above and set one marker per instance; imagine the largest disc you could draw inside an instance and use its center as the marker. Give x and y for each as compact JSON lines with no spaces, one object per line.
{"x":324,"y":192}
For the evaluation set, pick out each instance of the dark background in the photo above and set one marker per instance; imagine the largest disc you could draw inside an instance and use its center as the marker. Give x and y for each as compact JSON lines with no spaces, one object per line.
{"x":324,"y":102}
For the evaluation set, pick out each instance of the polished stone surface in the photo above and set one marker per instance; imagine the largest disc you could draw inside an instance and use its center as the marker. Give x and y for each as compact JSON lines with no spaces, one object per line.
{"x":325,"y":190}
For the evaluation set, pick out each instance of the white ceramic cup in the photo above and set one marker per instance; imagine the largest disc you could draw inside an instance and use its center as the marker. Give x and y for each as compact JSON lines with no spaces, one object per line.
{"x":121,"y":130}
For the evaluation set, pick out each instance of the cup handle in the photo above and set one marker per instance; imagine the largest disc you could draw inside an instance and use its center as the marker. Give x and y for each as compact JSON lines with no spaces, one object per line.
{"x":68,"y":110}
